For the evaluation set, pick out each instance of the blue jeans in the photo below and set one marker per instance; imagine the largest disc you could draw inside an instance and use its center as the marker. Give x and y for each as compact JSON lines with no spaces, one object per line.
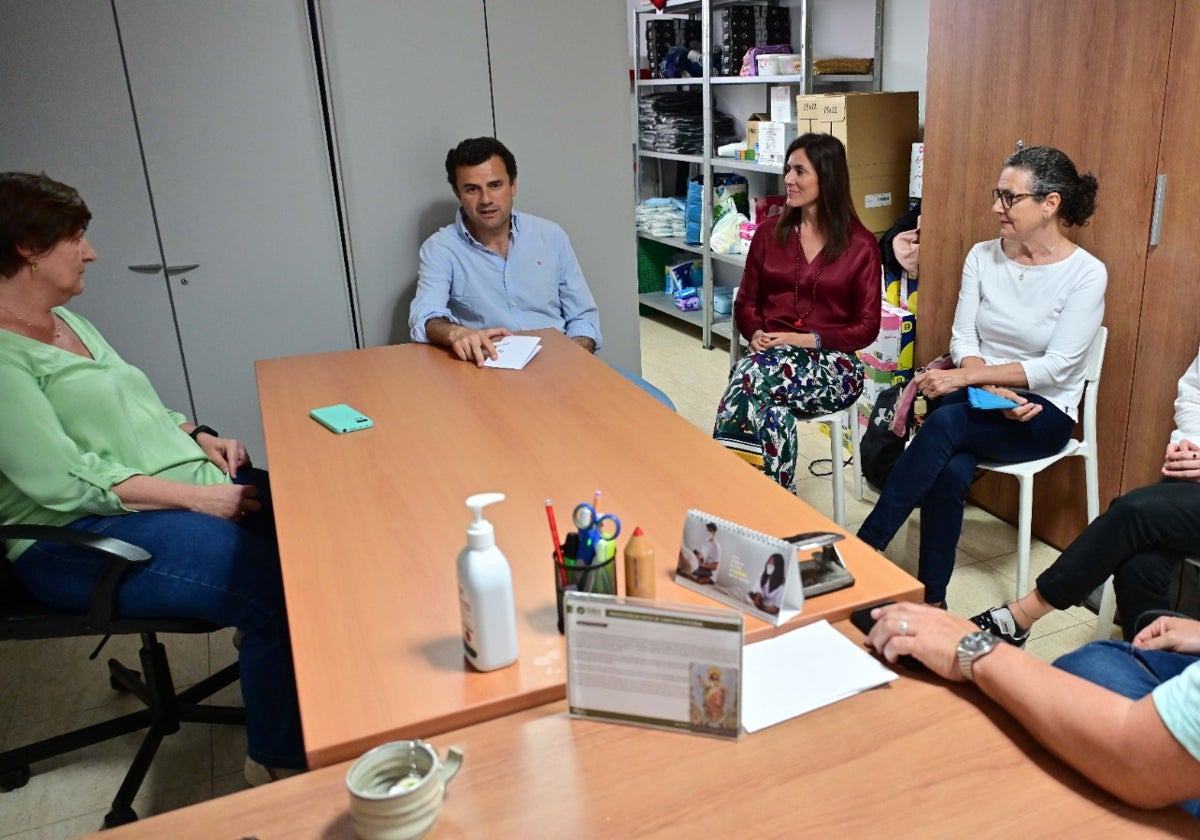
{"x":936,"y":470}
{"x":1132,"y":673}
{"x":207,"y":568}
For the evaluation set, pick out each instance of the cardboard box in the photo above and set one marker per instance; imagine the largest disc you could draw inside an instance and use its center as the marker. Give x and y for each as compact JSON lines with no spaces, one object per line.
{"x":773,"y":141}
{"x":908,"y":293}
{"x":900,"y":289}
{"x":783,"y":104}
{"x":878,"y":195}
{"x":892,"y":350}
{"x":877,"y":128}
{"x":752,"y":123}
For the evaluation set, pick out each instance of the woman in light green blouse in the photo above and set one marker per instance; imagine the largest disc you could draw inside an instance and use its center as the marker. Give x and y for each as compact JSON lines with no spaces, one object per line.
{"x":86,"y":442}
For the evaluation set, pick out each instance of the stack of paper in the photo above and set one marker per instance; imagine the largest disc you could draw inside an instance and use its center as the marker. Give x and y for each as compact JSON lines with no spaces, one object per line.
{"x":514,"y":351}
{"x":805,"y":669}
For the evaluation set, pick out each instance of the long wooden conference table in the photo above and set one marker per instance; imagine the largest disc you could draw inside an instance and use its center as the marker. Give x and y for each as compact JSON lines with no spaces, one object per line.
{"x":371,"y":522}
{"x":917,"y":758}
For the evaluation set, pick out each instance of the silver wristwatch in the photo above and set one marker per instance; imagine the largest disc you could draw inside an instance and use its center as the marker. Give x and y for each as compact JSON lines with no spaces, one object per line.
{"x":973,"y":646}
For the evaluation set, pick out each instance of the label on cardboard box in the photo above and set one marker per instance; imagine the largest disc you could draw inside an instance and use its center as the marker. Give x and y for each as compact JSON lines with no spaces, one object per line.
{"x":773,"y":140}
{"x":878,"y":200}
{"x":821,"y":107}
{"x":782,"y":104}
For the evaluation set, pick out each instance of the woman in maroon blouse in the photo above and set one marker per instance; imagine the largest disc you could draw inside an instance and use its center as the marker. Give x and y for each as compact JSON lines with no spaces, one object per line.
{"x":810,"y":297}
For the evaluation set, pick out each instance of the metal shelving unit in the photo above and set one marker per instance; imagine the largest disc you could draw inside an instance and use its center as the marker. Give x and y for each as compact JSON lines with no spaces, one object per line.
{"x":704,"y":164}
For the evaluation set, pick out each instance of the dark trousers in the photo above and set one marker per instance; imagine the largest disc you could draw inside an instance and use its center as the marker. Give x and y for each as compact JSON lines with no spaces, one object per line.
{"x":1138,"y":541}
{"x":936,"y":471}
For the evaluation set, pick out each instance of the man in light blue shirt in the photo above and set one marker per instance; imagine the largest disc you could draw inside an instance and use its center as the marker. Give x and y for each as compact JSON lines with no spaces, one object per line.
{"x":495,"y":271}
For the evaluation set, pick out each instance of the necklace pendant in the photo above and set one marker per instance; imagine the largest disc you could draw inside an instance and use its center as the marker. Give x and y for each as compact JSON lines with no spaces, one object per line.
{"x":799,"y":322}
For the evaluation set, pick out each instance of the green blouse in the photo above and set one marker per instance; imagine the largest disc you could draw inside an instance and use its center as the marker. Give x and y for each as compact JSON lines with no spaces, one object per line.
{"x":72,"y":427}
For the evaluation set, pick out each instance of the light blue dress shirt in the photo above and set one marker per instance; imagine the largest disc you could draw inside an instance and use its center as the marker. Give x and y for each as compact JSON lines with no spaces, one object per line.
{"x":540,"y":284}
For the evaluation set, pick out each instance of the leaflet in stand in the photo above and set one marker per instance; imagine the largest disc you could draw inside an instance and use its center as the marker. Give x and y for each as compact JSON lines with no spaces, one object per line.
{"x":768,"y":577}
{"x":751,"y":571}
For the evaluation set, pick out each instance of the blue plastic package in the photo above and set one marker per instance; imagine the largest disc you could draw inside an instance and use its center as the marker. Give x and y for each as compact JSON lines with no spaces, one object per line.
{"x":986,"y":399}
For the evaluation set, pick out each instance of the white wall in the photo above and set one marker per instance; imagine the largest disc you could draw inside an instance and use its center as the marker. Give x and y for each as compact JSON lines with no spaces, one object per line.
{"x":906,"y":47}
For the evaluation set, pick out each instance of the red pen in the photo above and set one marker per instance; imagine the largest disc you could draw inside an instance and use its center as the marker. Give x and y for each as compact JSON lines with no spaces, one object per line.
{"x":562,"y":563}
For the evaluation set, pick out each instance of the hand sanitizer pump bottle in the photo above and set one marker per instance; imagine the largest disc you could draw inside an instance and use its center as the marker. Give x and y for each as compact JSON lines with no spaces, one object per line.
{"x":485,"y":594}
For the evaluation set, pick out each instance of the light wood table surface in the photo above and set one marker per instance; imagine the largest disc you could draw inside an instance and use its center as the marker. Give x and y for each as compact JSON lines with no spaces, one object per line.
{"x":916,"y":758}
{"x":371,"y":522}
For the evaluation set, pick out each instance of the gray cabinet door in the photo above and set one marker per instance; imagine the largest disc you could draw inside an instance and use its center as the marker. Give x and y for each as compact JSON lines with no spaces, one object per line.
{"x":408,"y":81}
{"x":238,"y":165}
{"x":68,"y":115}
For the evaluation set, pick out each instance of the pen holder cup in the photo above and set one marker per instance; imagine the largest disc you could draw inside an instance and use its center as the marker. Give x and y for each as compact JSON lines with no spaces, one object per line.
{"x":598,"y":578}
{"x":396,"y":789}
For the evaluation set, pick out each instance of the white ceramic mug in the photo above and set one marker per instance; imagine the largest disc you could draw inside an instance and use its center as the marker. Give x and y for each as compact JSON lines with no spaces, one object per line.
{"x":396,"y":789}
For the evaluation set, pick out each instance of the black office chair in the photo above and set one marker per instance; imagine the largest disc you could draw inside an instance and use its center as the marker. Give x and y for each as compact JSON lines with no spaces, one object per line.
{"x":24,"y":617}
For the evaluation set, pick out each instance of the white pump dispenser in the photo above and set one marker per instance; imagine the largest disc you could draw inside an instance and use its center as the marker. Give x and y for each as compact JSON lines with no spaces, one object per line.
{"x":485,"y":593}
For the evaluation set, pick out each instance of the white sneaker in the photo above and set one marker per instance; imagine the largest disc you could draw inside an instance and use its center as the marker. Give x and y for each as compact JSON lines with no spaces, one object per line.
{"x":999,"y":621}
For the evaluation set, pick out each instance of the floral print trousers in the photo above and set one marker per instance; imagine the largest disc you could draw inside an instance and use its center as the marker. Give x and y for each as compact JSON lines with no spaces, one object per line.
{"x":769,"y":390}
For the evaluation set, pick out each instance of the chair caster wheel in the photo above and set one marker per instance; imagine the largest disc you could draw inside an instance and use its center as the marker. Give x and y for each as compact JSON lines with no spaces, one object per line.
{"x":119,"y":815}
{"x":15,"y":778}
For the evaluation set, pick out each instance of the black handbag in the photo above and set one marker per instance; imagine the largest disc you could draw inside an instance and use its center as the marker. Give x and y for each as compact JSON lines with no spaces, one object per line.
{"x":880,"y":447}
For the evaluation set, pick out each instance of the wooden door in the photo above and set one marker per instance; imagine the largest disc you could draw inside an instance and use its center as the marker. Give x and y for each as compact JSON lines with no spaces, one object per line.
{"x":1169,"y":325}
{"x":238,"y":164}
{"x":1086,"y":76}
{"x":62,"y":83}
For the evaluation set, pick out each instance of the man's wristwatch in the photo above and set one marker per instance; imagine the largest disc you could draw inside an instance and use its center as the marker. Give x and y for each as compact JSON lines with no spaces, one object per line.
{"x":973,"y":646}
{"x":202,"y":430}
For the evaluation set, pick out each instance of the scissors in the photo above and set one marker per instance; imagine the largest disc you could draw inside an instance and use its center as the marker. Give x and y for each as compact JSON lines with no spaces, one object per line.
{"x":593,"y":528}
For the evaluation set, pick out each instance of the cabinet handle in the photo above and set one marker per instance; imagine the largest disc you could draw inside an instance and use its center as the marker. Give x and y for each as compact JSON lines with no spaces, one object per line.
{"x":149,"y":268}
{"x":181,"y":269}
{"x":1160,"y":198}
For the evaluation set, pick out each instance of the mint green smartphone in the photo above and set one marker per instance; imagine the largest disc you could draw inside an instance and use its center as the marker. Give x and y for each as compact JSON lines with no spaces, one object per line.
{"x":341,"y":418}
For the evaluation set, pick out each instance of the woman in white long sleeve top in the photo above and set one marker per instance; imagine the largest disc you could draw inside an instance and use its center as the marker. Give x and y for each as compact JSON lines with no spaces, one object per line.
{"x":1030,"y":304}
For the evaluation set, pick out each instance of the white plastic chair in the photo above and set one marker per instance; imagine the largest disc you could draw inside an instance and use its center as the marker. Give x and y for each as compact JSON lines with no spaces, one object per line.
{"x":1085,"y":448}
{"x":834,"y":423}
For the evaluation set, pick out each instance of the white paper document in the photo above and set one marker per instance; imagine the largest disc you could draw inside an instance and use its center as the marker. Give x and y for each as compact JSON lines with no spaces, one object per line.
{"x":805,"y":669}
{"x":514,"y":351}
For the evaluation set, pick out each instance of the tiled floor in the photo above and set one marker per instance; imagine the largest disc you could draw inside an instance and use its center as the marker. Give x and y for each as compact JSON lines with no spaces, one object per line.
{"x":48,"y":687}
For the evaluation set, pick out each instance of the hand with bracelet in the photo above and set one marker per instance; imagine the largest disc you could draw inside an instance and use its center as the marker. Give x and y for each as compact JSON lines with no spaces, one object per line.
{"x":228,"y":454}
